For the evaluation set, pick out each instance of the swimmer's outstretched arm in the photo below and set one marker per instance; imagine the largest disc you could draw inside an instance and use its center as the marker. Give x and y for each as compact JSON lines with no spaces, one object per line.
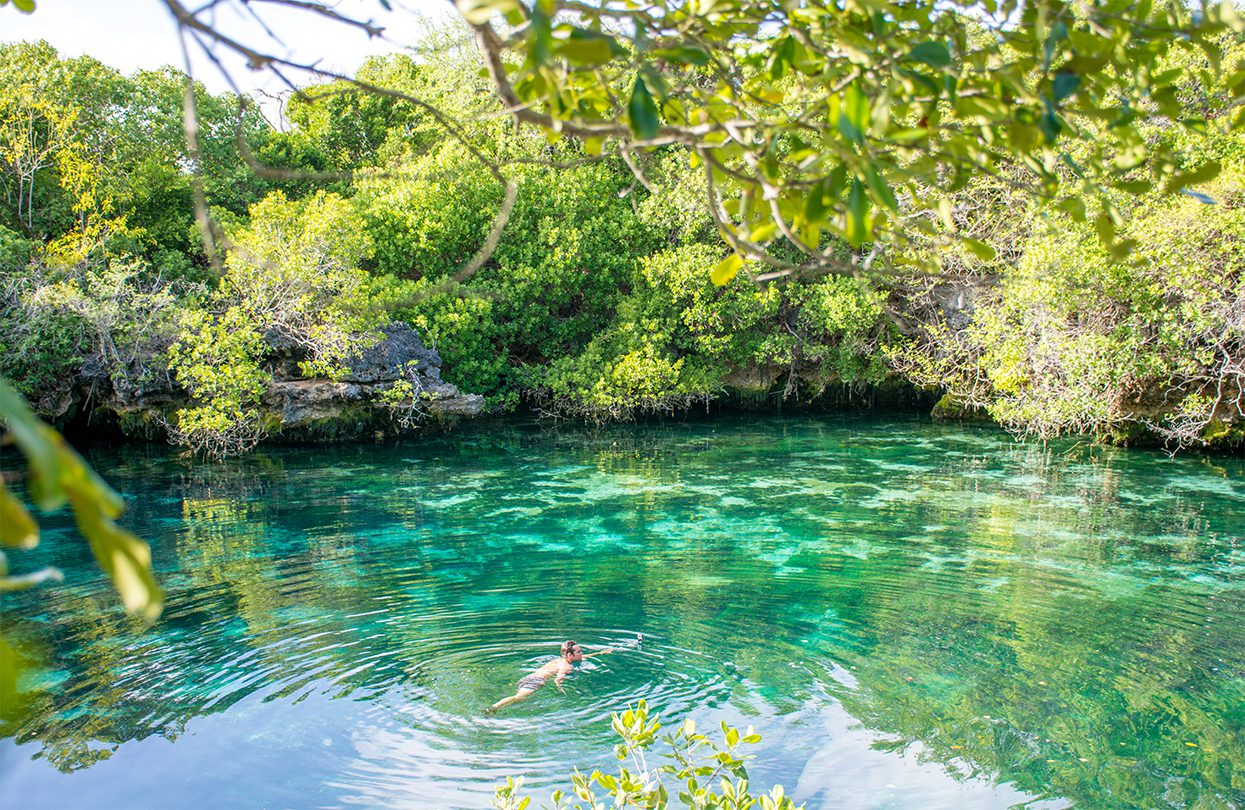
{"x":638,"y":638}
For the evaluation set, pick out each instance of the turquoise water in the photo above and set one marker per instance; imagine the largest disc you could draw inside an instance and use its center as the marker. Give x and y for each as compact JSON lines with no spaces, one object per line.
{"x":911,"y":615}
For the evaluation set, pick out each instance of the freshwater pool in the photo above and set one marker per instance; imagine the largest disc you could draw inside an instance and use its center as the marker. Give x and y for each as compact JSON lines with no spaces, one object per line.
{"x":911,"y":615}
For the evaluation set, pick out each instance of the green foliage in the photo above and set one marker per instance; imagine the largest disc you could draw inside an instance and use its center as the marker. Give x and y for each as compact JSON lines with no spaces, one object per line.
{"x":217,"y":359}
{"x":854,"y":121}
{"x":354,"y":128}
{"x":703,"y":773}
{"x":58,"y":476}
{"x":113,"y":310}
{"x":1071,"y":339}
{"x":291,"y":275}
{"x":15,"y":251}
{"x":294,"y":270}
{"x":609,"y":293}
{"x":429,"y":216}
{"x":678,"y":338}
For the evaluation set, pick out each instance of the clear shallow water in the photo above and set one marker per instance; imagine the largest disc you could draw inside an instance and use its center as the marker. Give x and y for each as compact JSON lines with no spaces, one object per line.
{"x":911,"y":615}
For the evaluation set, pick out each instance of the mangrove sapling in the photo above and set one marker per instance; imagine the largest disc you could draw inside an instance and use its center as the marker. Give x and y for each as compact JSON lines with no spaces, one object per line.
{"x":703,"y":773}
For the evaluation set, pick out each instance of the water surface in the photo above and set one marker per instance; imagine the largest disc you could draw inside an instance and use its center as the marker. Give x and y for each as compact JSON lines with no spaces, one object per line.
{"x":911,"y":615}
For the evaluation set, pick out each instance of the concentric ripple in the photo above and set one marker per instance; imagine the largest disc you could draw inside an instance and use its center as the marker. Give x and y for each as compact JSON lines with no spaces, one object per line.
{"x":910,"y":615}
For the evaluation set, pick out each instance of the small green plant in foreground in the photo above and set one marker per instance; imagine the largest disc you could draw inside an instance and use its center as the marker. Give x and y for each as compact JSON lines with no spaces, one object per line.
{"x":703,"y":774}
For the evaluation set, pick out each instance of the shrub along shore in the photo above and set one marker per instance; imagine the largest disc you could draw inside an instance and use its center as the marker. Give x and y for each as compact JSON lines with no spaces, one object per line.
{"x":597,"y":302}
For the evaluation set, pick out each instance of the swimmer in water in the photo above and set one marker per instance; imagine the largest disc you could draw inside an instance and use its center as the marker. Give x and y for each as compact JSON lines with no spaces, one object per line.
{"x":557,"y":669}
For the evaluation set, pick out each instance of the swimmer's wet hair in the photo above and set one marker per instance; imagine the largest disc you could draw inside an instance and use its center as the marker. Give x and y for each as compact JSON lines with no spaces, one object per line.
{"x":567,"y":647}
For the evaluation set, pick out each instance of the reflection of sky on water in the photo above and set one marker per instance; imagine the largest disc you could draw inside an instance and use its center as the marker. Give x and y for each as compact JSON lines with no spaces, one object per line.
{"x":850,"y":771}
{"x":909,"y":614}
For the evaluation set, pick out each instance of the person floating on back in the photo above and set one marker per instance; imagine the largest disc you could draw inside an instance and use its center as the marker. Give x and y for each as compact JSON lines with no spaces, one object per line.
{"x":557,"y":669}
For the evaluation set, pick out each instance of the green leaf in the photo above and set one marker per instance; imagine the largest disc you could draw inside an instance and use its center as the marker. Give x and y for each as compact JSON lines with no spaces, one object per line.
{"x":1105,"y":226}
{"x":17,"y":528}
{"x":1075,"y":207}
{"x":979,"y":249}
{"x":1058,"y":33}
{"x":1202,"y":174}
{"x":125,"y":558}
{"x":726,"y":269}
{"x":1130,"y":155}
{"x":934,"y":54}
{"x":1050,"y":124}
{"x":1122,"y":249}
{"x":1065,"y":84}
{"x":682,"y":54}
{"x":476,"y":12}
{"x":764,"y":232}
{"x":584,"y":51}
{"x":643,"y":112}
{"x":1134,"y":186}
{"x":908,"y":135}
{"x":825,"y":194}
{"x":857,"y":230}
{"x":854,"y":115}
{"x":540,"y":33}
{"x":881,"y":191}
{"x":587,"y":48}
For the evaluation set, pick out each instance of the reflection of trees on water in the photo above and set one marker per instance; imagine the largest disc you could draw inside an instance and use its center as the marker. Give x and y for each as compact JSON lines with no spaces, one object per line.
{"x":1042,"y":630}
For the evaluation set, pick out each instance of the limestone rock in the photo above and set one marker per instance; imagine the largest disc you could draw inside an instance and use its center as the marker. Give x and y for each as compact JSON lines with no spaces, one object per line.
{"x":298,"y":408}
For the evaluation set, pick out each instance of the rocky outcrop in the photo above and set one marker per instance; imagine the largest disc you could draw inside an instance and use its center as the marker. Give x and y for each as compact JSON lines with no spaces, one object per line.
{"x":297,"y":408}
{"x":352,"y":404}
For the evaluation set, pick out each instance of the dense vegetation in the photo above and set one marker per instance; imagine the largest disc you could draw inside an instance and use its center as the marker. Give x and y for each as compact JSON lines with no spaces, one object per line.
{"x":598,"y":299}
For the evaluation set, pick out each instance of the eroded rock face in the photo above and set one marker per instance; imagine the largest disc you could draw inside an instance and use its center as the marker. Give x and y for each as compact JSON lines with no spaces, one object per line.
{"x":399,"y":351}
{"x":298,"y":408}
{"x":324,"y":408}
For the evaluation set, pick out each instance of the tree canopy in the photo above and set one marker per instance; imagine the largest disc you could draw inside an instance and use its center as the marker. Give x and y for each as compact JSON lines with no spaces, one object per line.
{"x":860,"y":119}
{"x":857,"y":121}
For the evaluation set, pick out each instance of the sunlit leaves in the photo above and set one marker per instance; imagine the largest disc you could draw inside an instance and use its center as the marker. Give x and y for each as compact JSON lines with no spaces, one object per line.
{"x":853,"y":115}
{"x":775,"y":95}
{"x":881,"y":190}
{"x":682,"y":54}
{"x":726,"y":269}
{"x":59,"y":476}
{"x":479,"y":12}
{"x":700,"y":768}
{"x":586,"y":48}
{"x":1202,"y":174}
{"x":979,"y":249}
{"x":17,"y":528}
